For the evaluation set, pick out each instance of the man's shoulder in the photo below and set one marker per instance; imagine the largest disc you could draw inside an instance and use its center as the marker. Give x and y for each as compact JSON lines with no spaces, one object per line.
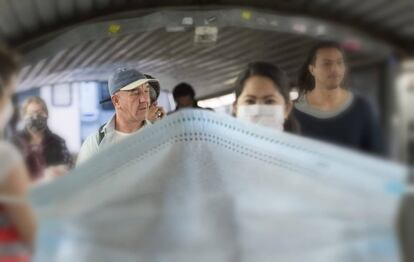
{"x":89,"y":148}
{"x":92,"y":139}
{"x":362,"y":106}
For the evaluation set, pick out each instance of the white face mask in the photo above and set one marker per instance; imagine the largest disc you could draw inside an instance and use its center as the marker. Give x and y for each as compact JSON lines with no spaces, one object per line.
{"x":6,"y":114}
{"x":272,"y":116}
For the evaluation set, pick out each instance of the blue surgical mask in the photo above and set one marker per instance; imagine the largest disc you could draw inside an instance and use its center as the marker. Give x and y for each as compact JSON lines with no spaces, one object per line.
{"x":272,"y":116}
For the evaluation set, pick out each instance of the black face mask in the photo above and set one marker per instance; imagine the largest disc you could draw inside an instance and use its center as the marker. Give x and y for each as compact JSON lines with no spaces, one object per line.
{"x":36,"y":123}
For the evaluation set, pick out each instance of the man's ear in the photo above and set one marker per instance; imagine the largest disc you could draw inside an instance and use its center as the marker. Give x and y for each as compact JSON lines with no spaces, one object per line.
{"x":115,"y":101}
{"x":288,"y":109}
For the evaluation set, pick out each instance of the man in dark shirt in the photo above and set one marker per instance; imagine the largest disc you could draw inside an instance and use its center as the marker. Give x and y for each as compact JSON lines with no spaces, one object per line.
{"x":184,"y":97}
{"x":329,"y":112}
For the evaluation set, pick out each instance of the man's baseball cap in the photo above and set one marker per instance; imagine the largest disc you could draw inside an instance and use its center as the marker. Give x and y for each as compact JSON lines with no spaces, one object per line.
{"x":125,"y":79}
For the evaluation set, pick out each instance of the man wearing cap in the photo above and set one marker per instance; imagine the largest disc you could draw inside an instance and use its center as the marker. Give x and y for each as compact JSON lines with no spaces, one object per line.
{"x":132,"y":95}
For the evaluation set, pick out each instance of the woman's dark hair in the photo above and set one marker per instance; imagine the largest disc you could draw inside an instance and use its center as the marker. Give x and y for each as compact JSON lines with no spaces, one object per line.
{"x":306,"y":81}
{"x":9,"y":66}
{"x":279,"y":78}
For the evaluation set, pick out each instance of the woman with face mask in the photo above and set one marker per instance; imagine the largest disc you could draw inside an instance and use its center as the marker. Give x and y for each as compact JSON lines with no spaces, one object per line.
{"x":17,"y":227}
{"x":45,"y":153}
{"x":262,"y":97}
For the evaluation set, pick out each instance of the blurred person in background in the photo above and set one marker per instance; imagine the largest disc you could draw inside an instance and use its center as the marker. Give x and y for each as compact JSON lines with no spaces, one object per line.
{"x":263,"y":97}
{"x":155,"y":112}
{"x":326,"y":110}
{"x":45,"y":153}
{"x":17,"y":227}
{"x":184,"y":97}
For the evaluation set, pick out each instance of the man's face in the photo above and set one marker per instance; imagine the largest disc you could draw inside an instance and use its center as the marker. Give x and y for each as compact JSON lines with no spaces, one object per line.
{"x":185,"y":101}
{"x":329,"y":68}
{"x":133,"y":105}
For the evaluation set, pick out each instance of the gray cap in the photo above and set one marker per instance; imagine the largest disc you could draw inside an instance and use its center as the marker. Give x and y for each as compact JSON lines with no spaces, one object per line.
{"x":126,"y":79}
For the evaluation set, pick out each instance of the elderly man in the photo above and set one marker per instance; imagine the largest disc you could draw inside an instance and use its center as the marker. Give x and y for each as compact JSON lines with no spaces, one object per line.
{"x":131,"y":94}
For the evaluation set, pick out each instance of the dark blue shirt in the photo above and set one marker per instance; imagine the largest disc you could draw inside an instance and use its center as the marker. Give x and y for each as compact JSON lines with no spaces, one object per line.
{"x":355,"y":127}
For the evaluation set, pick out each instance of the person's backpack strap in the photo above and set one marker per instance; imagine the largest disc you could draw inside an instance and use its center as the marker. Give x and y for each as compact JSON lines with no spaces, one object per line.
{"x":101,"y":134}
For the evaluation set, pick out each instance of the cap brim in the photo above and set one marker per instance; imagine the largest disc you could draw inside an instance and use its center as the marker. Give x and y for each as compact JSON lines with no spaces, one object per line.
{"x":137,"y":83}
{"x":105,"y":100}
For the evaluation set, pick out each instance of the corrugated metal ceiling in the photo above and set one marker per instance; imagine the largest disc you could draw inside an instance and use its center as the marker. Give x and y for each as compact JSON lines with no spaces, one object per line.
{"x":24,"y":20}
{"x":173,"y":56}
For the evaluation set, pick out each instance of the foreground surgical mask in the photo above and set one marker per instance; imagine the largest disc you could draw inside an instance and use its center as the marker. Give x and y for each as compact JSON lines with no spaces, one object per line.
{"x":36,"y":123}
{"x":6,"y":114}
{"x":272,"y":116}
{"x":215,"y":189}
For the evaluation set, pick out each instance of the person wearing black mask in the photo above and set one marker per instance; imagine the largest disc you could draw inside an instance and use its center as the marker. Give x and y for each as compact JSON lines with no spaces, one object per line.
{"x":45,"y":153}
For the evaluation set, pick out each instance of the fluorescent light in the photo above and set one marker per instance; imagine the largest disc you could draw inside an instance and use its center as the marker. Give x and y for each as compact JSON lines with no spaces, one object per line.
{"x":218,"y":101}
{"x":231,"y":81}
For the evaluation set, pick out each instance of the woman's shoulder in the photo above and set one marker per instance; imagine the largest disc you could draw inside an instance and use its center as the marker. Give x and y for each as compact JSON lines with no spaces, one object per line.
{"x":54,"y":138}
{"x":9,"y":157}
{"x":7,"y":148}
